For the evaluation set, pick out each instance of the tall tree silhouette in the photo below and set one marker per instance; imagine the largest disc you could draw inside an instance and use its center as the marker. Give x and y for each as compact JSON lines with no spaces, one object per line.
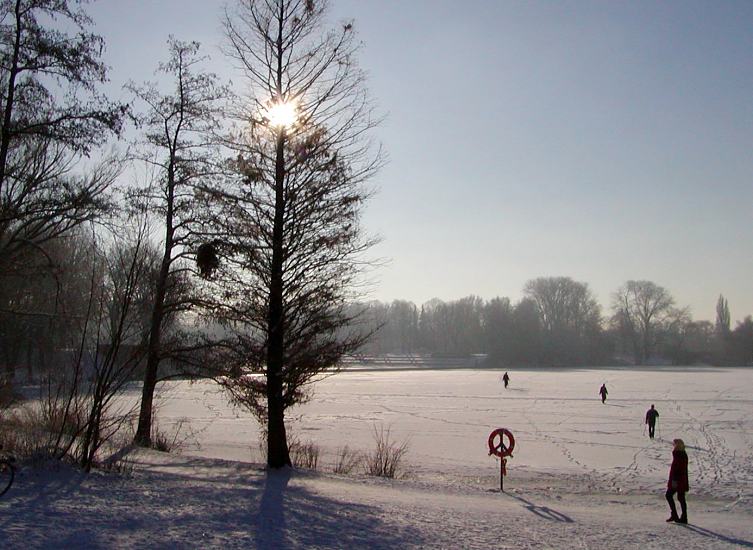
{"x":293,"y":247}
{"x":178,"y":144}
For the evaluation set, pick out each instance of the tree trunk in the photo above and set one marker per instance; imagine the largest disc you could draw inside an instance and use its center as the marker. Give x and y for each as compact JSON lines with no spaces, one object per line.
{"x":278,"y":454}
{"x":144,"y":431}
{"x":29,"y":361}
{"x":10,"y":95}
{"x":143,"y":436}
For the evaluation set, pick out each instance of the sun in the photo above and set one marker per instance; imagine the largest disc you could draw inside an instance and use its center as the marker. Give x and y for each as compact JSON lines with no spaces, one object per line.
{"x":282,"y":114}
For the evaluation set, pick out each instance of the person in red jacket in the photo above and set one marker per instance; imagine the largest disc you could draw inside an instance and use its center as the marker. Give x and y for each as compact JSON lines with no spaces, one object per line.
{"x":678,"y":481}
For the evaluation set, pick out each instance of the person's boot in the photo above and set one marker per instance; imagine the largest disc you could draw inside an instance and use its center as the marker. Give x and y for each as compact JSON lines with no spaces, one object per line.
{"x":683,"y":509}
{"x":684,"y":516}
{"x":673,"y":510}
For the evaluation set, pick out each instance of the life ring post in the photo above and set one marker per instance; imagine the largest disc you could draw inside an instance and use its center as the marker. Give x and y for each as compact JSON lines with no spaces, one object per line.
{"x":502,"y":450}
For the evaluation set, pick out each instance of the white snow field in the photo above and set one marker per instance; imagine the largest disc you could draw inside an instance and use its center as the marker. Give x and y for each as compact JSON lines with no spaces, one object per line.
{"x":583,"y":475}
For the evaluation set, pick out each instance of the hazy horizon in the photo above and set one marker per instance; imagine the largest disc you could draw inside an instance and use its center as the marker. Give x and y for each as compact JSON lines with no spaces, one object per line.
{"x":600,"y":141}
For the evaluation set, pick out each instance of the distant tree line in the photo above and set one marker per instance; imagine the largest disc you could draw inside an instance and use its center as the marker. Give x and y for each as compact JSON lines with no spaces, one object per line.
{"x":558,"y":322}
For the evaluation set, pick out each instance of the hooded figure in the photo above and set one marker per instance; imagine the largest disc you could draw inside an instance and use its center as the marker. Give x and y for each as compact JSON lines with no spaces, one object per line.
{"x":678,"y":482}
{"x":603,"y":392}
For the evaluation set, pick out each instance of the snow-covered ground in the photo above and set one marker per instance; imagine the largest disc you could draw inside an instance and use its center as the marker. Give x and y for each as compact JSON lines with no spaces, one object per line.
{"x":584,"y":474}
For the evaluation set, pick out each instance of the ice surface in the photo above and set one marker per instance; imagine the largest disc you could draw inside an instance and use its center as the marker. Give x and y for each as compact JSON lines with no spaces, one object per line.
{"x":584,"y":474}
{"x":560,"y":425}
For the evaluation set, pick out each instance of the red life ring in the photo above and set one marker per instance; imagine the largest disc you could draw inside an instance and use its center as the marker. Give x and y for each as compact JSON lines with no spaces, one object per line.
{"x":500,"y":449}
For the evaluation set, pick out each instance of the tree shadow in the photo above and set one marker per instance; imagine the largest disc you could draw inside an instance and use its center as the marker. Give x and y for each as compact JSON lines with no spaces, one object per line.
{"x":270,"y":518}
{"x":48,"y":479}
{"x":290,"y":516}
{"x":243,"y":508}
{"x":718,"y":536}
{"x":544,"y":512}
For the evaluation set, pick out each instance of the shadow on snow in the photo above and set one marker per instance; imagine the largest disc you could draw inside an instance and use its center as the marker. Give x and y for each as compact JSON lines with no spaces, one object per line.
{"x":718,"y":536}
{"x":158,"y":508}
{"x":544,"y":512}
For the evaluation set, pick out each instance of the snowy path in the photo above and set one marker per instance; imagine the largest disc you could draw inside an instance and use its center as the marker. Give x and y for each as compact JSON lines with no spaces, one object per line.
{"x":176,"y":502}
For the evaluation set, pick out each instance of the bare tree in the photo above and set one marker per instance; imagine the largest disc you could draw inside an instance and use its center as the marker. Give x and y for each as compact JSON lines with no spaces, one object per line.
{"x":178,"y":133}
{"x":675,"y":333}
{"x":401,"y":329}
{"x":452,"y":328}
{"x":50,"y":115}
{"x":563,"y":302}
{"x":497,"y":327}
{"x":742,"y":342}
{"x":38,"y":300}
{"x":103,"y":344}
{"x":642,"y":310}
{"x":292,"y":243}
{"x":570,"y":317}
{"x":117,"y":328}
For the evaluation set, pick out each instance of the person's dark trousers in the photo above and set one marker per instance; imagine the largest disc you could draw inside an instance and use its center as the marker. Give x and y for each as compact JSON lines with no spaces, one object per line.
{"x":651,"y":428}
{"x":683,"y":505}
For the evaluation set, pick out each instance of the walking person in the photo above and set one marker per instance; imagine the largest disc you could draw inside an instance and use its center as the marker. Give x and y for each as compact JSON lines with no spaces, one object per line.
{"x":506,"y":379}
{"x":603,"y":392}
{"x":651,"y":415}
{"x":678,"y":482}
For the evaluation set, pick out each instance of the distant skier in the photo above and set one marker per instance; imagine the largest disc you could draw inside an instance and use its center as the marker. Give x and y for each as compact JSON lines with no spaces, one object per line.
{"x":506,"y":379}
{"x":651,"y":415}
{"x":603,"y":392}
{"x":678,"y":482}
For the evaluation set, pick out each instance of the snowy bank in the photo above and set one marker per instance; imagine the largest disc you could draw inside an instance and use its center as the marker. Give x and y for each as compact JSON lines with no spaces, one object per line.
{"x":178,"y":502}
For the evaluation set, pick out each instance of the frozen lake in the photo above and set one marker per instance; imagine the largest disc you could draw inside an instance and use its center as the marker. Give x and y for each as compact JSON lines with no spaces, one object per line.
{"x":563,"y":432}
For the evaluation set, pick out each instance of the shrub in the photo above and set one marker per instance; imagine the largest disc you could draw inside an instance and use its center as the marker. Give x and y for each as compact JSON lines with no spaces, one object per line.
{"x":347,"y":460}
{"x":387,"y":458}
{"x":166,"y":443}
{"x":304,"y":455}
{"x":28,"y":433}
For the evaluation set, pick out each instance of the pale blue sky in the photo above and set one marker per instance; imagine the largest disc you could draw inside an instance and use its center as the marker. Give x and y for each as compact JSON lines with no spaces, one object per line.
{"x":605,"y":141}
